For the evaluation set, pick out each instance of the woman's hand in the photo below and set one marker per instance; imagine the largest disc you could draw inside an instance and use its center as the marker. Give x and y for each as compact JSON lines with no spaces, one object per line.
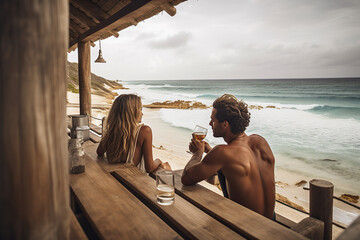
{"x":166,"y":166}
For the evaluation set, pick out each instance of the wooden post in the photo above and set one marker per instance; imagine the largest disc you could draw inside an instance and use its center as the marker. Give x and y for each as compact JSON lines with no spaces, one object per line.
{"x":84,"y":78}
{"x":321,"y":204}
{"x":34,"y":186}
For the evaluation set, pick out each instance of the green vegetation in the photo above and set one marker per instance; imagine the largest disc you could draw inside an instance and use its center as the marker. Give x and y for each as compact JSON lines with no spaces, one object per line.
{"x":71,"y":88}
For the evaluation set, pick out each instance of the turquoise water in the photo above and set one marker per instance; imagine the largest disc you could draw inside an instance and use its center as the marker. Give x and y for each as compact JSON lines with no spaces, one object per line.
{"x":313,"y":130}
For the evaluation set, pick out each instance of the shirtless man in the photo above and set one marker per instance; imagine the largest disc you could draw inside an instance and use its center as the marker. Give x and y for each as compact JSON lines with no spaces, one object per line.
{"x":247,"y":162}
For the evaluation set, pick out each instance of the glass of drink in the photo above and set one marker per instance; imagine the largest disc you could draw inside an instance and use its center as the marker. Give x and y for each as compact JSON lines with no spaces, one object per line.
{"x":165,"y":191}
{"x":199,"y":133}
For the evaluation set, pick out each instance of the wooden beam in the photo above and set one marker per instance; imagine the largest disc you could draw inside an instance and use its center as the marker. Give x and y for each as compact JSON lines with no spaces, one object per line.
{"x":91,"y":9}
{"x":311,"y":228}
{"x":170,"y":9}
{"x":82,"y":17}
{"x":72,"y":48}
{"x":76,"y":28}
{"x":115,"y":34}
{"x":84,"y":78}
{"x":34,"y":202}
{"x":112,"y":22}
{"x":133,"y":21}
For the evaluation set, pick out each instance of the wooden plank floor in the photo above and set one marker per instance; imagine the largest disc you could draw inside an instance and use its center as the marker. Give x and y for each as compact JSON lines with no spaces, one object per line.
{"x":112,"y":210}
{"x":191,"y":221}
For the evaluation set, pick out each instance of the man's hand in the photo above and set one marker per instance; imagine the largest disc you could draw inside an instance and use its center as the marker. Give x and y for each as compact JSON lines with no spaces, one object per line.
{"x":207,"y":147}
{"x":196,"y":145}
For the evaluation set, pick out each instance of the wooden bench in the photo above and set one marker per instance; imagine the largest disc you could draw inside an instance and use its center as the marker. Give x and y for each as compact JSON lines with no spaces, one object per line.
{"x":113,"y":212}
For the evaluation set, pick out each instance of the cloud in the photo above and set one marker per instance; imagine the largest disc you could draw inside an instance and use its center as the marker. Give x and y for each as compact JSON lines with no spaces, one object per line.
{"x":178,"y":40}
{"x":145,"y":36}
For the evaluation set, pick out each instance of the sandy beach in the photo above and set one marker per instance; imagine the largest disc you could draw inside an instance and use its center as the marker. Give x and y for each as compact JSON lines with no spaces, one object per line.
{"x":170,"y":145}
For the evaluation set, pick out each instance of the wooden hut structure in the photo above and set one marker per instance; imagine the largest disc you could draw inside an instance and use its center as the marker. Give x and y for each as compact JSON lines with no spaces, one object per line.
{"x":35,"y":38}
{"x":34,"y":174}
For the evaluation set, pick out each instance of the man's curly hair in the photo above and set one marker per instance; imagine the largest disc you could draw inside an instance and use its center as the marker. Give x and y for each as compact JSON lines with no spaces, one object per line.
{"x":235,"y":111}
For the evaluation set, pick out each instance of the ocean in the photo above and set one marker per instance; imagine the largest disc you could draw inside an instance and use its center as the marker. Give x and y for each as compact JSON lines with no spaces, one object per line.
{"x":312,"y":125}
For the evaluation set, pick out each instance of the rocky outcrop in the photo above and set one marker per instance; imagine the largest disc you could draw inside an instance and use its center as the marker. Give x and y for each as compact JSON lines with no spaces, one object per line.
{"x":301,"y":183}
{"x":350,"y":198}
{"x":178,"y":104}
{"x":99,"y":85}
{"x":285,"y":200}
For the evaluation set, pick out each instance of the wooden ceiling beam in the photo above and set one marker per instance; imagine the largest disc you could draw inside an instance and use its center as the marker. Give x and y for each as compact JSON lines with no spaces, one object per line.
{"x":170,"y":9}
{"x":91,"y":9}
{"x":115,"y":34}
{"x":82,"y":17}
{"x":113,"y":21}
{"x":74,"y":26}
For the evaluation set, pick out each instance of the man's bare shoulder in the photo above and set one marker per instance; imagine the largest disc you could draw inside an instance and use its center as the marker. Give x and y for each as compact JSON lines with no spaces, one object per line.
{"x":258,"y":138}
{"x":230,"y":152}
{"x":258,"y":143}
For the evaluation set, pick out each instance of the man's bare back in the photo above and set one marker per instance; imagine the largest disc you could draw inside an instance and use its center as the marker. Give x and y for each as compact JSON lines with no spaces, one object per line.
{"x":249,"y":171}
{"x":247,"y":162}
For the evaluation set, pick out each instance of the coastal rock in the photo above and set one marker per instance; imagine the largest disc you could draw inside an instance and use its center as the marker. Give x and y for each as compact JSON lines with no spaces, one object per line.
{"x":350,"y":198}
{"x":160,"y":147}
{"x":301,"y":183}
{"x":281,"y":184}
{"x":178,"y":104}
{"x":286,"y":201}
{"x":256,"y":107}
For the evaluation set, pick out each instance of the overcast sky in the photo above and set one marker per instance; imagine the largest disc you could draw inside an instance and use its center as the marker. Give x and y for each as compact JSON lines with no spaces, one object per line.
{"x":237,"y":39}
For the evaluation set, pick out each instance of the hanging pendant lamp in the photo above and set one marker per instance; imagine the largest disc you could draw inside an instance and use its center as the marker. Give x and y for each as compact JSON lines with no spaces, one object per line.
{"x":100,"y":58}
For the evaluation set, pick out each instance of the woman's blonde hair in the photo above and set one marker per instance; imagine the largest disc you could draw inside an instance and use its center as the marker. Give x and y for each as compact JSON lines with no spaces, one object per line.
{"x":120,"y":131}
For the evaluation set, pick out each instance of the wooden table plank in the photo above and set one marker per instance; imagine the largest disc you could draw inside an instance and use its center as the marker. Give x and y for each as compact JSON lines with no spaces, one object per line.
{"x":188,"y":219}
{"x":240,"y":219}
{"x":94,"y":138}
{"x":112,"y":210}
{"x":76,"y":232}
{"x":95,"y":128}
{"x":90,"y":150}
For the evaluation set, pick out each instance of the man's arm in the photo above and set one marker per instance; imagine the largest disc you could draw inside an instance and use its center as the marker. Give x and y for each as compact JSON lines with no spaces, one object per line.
{"x":197,"y":170}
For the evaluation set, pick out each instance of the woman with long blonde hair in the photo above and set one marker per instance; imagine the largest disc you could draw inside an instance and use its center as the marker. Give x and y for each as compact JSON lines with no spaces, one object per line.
{"x":125,"y":139}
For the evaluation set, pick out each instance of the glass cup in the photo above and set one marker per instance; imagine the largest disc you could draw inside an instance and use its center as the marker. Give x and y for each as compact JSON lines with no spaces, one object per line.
{"x":199,"y":133}
{"x":165,"y":191}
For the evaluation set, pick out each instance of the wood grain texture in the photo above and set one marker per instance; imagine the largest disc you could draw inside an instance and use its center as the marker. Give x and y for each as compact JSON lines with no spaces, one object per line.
{"x":84,"y":78}
{"x":94,"y":138}
{"x":76,"y":232}
{"x":311,"y":228}
{"x":321,"y":204}
{"x":95,"y":128}
{"x":242,"y":220}
{"x":34,"y":199}
{"x":188,"y":219}
{"x":113,"y":211}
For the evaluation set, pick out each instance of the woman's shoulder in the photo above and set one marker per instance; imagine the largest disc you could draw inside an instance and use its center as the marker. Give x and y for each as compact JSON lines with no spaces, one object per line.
{"x":145,"y":129}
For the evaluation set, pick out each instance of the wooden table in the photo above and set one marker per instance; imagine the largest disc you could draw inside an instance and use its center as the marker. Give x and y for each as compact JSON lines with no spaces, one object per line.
{"x":120,"y":203}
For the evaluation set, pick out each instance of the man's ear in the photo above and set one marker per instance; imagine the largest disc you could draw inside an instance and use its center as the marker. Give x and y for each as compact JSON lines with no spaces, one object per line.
{"x":225,"y":124}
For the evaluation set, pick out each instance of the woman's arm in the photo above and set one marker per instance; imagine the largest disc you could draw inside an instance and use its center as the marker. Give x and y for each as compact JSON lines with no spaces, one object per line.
{"x":146,"y":148}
